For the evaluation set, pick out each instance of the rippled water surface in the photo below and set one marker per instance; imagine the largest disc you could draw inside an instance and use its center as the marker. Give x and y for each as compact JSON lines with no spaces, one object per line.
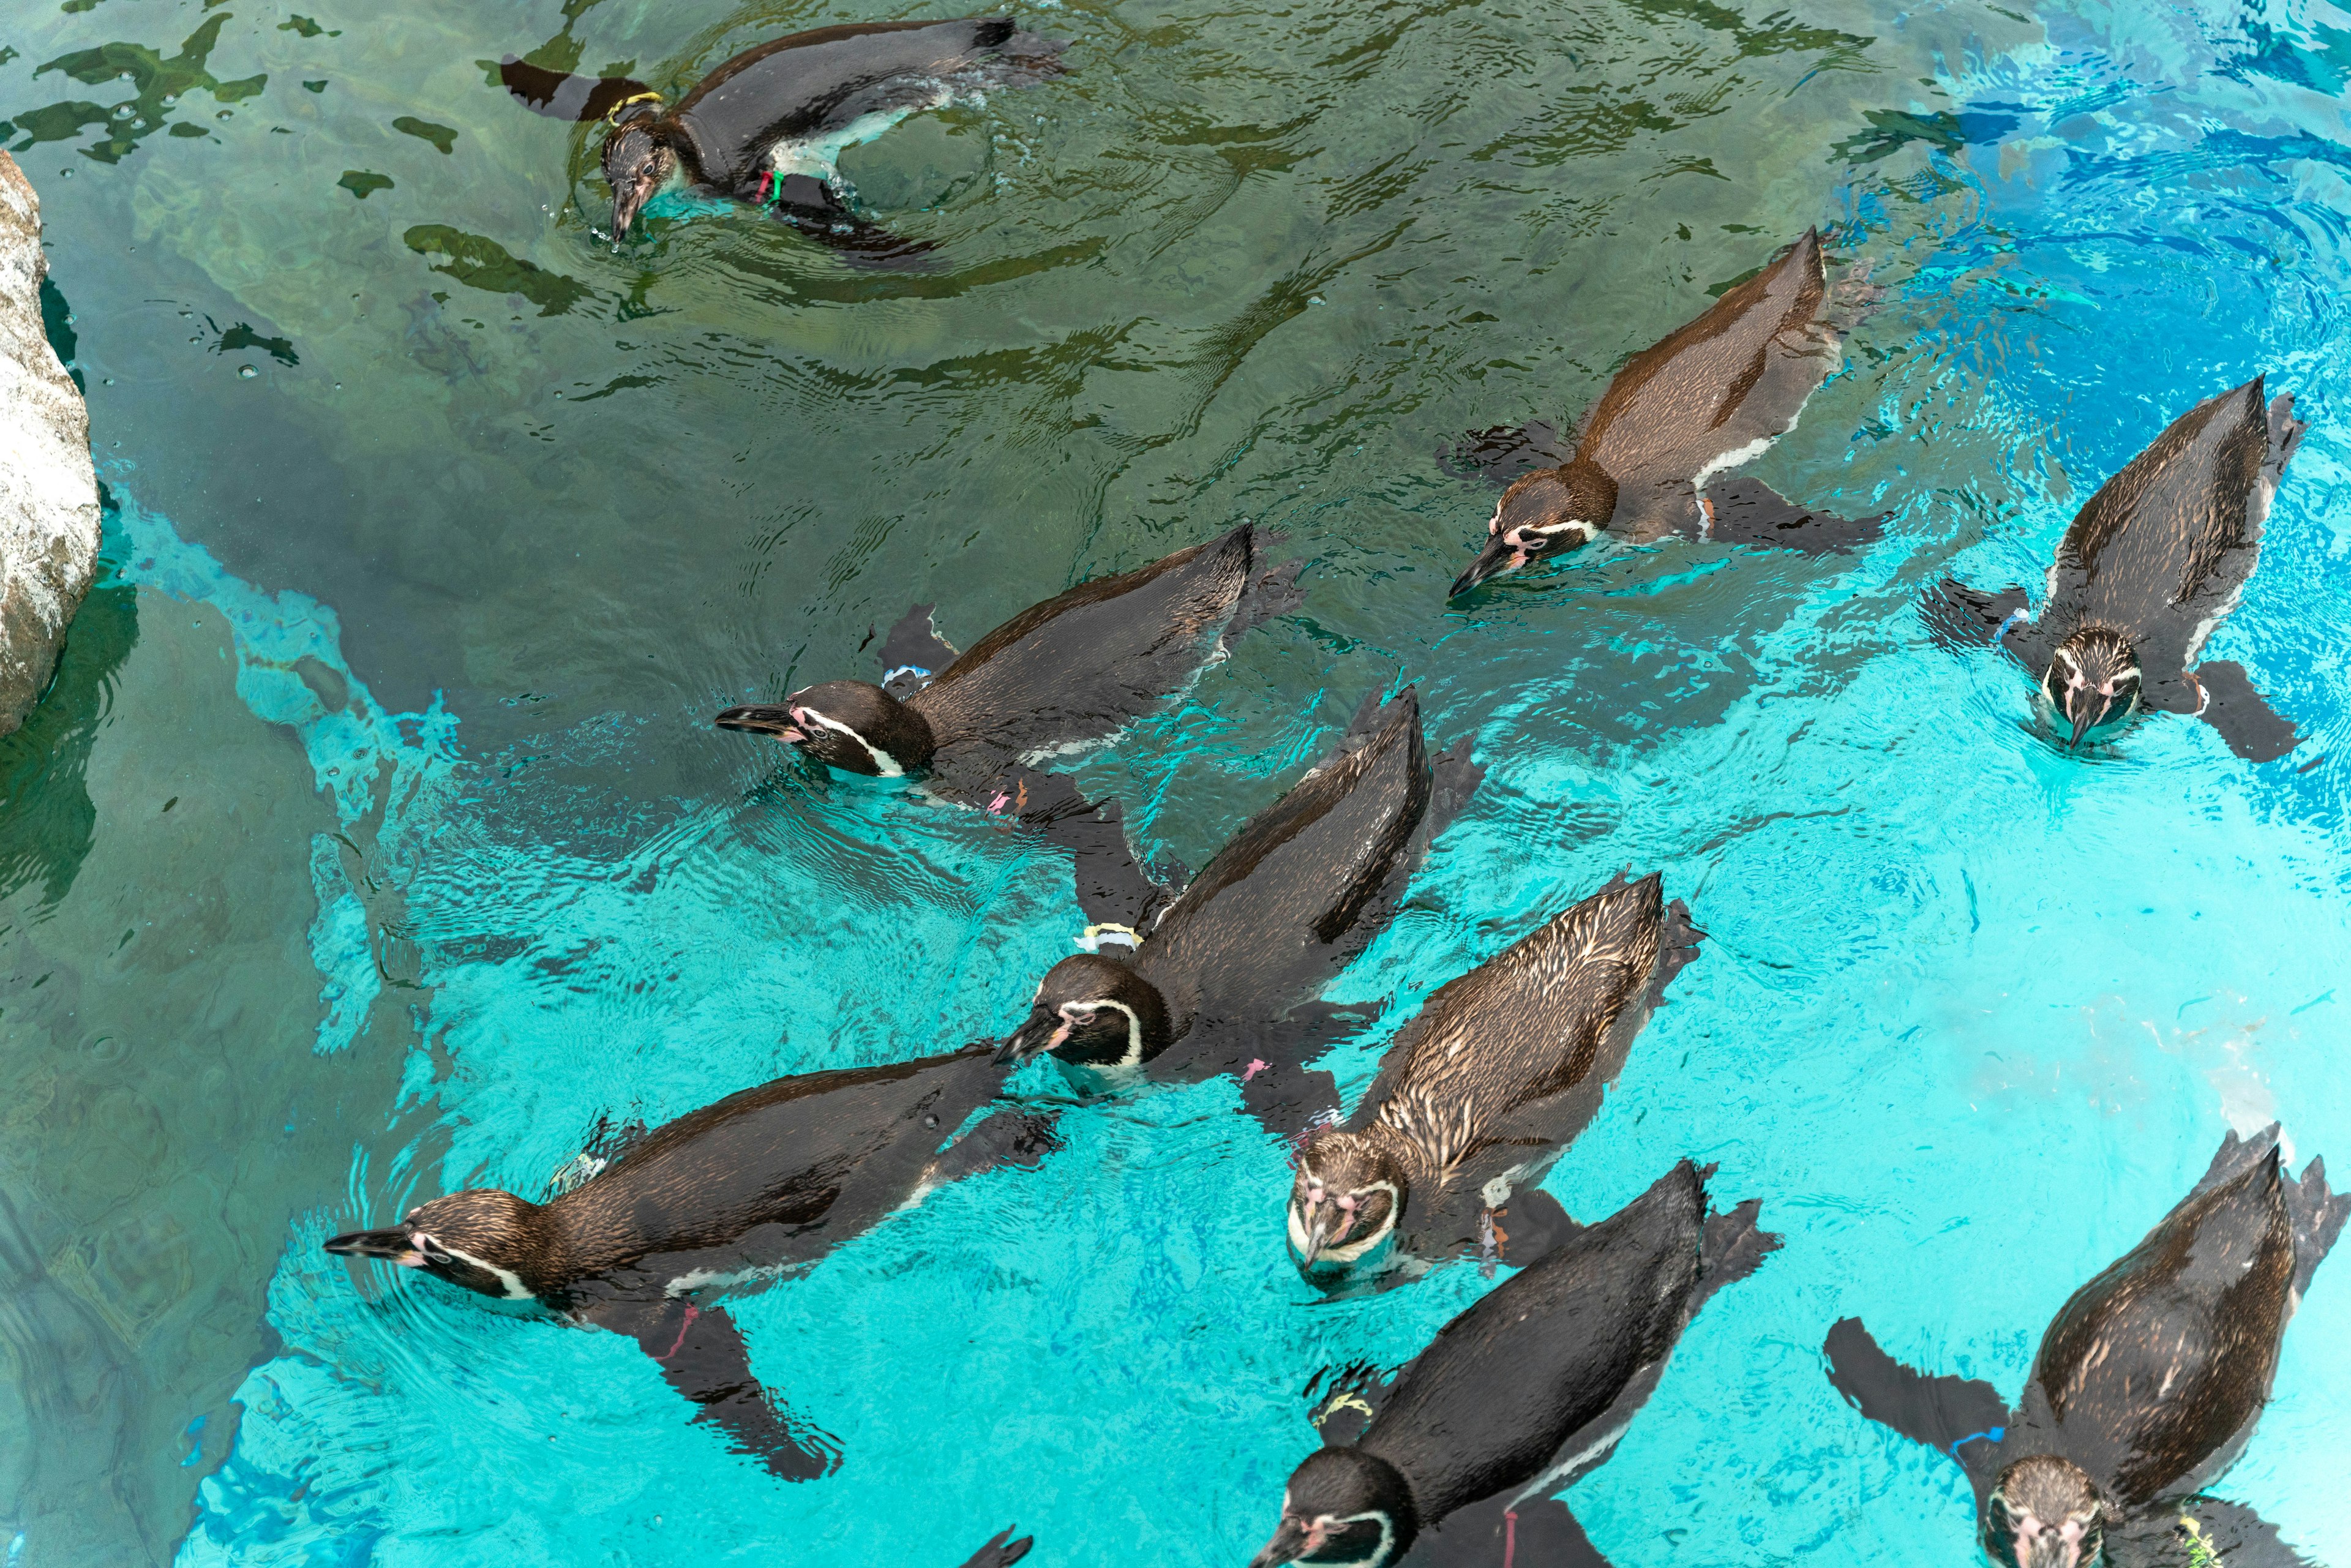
{"x":375,"y":841}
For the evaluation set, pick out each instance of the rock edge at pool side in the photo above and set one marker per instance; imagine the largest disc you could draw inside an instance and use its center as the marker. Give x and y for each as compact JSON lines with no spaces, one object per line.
{"x":49,"y":491}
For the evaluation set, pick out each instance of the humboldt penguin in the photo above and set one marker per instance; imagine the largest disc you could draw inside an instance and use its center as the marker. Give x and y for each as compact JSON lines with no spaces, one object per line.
{"x":2147,"y":1384}
{"x":1060,"y":678}
{"x":767,"y":127}
{"x":1493,"y":1077}
{"x":763,"y":1182}
{"x":1710,"y":396}
{"x":2143,"y":574}
{"x":1222,"y":978}
{"x":1519,"y":1396}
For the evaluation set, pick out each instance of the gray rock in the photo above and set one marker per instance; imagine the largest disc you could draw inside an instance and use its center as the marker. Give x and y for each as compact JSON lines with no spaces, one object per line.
{"x":48,"y":492}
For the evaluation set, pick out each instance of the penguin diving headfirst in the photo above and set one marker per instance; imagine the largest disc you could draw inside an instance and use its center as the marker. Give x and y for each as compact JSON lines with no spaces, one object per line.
{"x":2146,"y":1386}
{"x":1710,"y":396}
{"x":767,"y":127}
{"x":1516,"y":1399}
{"x":1061,"y":677}
{"x":1223,"y":978}
{"x":2143,"y":573}
{"x":1496,"y":1074}
{"x":760,"y":1183}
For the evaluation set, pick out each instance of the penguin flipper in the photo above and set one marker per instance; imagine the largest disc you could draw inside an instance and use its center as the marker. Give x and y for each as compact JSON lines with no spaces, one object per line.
{"x":1746,"y":511}
{"x":1958,"y":616}
{"x":1940,"y":1412}
{"x":1113,"y":887}
{"x":2253,"y":729}
{"x":808,"y":206}
{"x":1454,"y":777}
{"x":1270,"y":1059}
{"x":559,"y":95}
{"x":1001,"y":1550}
{"x":1538,"y":1530}
{"x":2204,"y":1533}
{"x":1504,"y":453}
{"x":702,"y":1355}
{"x":1011,"y":1137}
{"x":914,"y":651}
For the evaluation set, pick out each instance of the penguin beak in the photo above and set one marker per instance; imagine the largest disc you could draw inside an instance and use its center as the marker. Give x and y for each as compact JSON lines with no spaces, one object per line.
{"x":1026,"y":1040}
{"x":393,"y":1246}
{"x":627,"y":202}
{"x":2086,"y":715}
{"x":1498,"y":559}
{"x":1291,"y":1543}
{"x":764,"y":718}
{"x":1318,"y":1232}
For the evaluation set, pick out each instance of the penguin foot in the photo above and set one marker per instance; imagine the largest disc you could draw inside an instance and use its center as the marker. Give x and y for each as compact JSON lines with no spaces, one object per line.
{"x":1502,"y":454}
{"x":1750,"y":512}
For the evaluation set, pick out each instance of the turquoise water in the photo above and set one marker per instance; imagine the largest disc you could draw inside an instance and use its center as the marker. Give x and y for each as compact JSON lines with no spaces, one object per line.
{"x":374,"y":841}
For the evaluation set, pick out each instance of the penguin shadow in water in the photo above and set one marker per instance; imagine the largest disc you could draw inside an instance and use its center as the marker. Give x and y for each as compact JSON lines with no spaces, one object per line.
{"x":2145,"y":571}
{"x":1222,"y":978}
{"x":767,"y":127}
{"x":1059,"y":678}
{"x":1454,"y":1462}
{"x":1480,"y":1093}
{"x":2146,"y":1387}
{"x":645,"y":1234}
{"x":1713,"y":394}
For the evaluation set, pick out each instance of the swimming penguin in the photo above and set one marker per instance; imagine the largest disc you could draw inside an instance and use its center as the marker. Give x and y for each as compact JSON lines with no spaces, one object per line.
{"x":2147,"y":1384}
{"x":762,"y":1182}
{"x":1058,"y":678}
{"x":1712,"y":395}
{"x":766,"y":127}
{"x":1496,"y":1074}
{"x":1221,"y":978}
{"x":2143,"y":573}
{"x":1519,"y":1396}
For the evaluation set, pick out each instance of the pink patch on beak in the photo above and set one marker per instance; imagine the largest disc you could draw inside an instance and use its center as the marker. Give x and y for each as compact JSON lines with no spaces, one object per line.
{"x":1060,"y":1036}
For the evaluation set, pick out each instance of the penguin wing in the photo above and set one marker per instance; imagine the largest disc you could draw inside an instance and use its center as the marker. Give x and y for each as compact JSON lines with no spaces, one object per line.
{"x":1744,"y":511}
{"x":913,"y":653}
{"x":561,"y":96}
{"x":702,"y":1354}
{"x":1537,"y":1530}
{"x":2201,"y":1532}
{"x":1506,"y":452}
{"x":1959,"y":617}
{"x":2225,"y":699}
{"x":1940,"y":1412}
{"x":1113,"y":887}
{"x":1720,"y":389}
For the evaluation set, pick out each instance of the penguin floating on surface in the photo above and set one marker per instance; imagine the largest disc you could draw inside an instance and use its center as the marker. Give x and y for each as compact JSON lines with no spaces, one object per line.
{"x":2143,"y":573}
{"x":1495,"y":1075}
{"x":1712,"y":395}
{"x":1518,"y":1397}
{"x":765,"y":1181}
{"x":1220,"y":979}
{"x":1060,"y":678}
{"x":2147,"y":1385}
{"x":767,"y":127}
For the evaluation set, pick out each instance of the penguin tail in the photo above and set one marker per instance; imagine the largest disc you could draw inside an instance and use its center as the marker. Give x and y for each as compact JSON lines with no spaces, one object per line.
{"x":1744,"y":511}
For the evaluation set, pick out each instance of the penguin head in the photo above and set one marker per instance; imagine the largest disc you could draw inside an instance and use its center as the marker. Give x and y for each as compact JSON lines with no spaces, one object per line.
{"x":1544,"y":514}
{"x":2045,"y":1512}
{"x":1343,"y":1509}
{"x":637,"y":163}
{"x":1350,"y":1192}
{"x":1091,"y":1011}
{"x":849,"y":725}
{"x":2093,"y":679}
{"x":483,"y":1238}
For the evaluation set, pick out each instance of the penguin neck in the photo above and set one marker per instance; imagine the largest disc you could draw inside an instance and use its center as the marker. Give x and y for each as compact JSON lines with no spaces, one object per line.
{"x":1399,"y":1146}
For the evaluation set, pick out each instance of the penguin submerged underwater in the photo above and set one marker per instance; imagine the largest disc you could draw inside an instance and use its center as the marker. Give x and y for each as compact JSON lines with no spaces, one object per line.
{"x":1222,"y":980}
{"x":1059,"y":678}
{"x":763,"y":1182}
{"x":1519,"y":1396}
{"x":2145,"y":571}
{"x":767,"y":127}
{"x":1495,"y":1075}
{"x":1710,"y":396}
{"x":2147,"y":1385}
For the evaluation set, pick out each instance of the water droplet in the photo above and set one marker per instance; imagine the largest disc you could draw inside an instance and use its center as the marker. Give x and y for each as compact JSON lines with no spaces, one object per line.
{"x":170,"y":99}
{"x":339,"y":386}
{"x":223,"y":114}
{"x":559,"y":394}
{"x":65,"y":173}
{"x":247,"y":373}
{"x":108,"y":381}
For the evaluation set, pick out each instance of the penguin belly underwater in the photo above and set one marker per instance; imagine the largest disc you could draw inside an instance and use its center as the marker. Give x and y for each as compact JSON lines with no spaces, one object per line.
{"x":2143,"y":573}
{"x":767,"y":127}
{"x":1711,"y":395}
{"x":1061,"y":677}
{"x":765,"y":1181}
{"x":1496,"y":1074}
{"x":1519,"y":1396}
{"x":1222,"y":980}
{"x":2144,"y":1389}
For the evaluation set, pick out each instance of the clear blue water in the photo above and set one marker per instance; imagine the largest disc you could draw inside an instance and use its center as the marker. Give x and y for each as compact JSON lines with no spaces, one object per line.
{"x":374,"y":842}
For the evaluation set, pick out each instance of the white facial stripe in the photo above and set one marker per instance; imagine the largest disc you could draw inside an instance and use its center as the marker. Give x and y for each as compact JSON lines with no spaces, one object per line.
{"x":1357,"y":1248}
{"x":516,"y":1290}
{"x":883,"y":763}
{"x":1331,"y":1525}
{"x":1133,"y":1057}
